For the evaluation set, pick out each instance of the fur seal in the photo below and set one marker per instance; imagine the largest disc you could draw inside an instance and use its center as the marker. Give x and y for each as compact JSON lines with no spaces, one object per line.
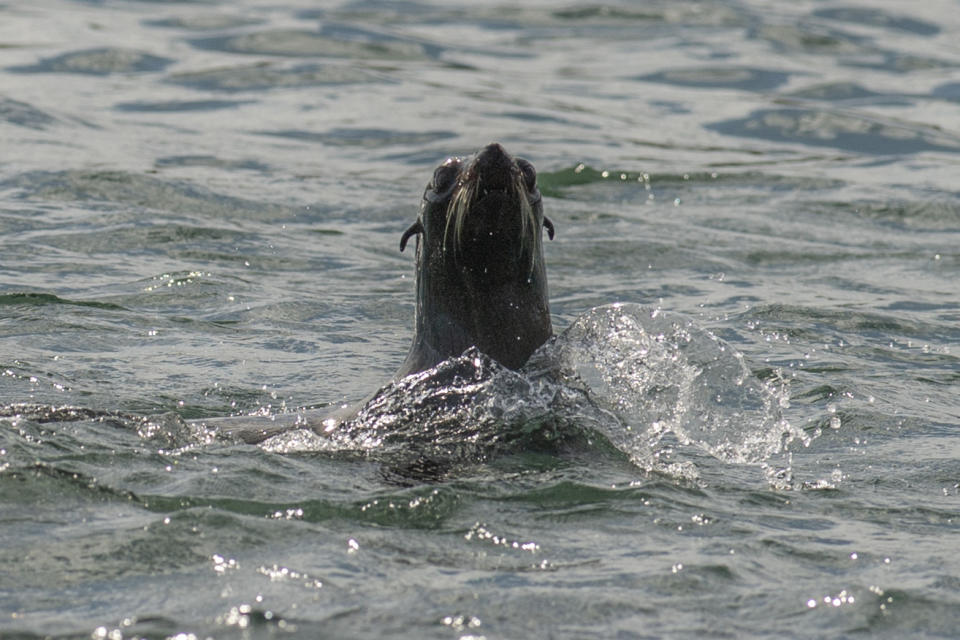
{"x":480,"y":275}
{"x":481,"y":280}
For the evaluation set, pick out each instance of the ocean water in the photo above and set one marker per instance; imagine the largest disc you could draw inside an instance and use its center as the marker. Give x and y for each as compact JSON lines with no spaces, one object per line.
{"x":748,"y":425}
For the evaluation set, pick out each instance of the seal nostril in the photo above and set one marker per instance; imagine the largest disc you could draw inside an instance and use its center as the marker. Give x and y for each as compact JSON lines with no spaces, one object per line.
{"x":494,"y":168}
{"x":494,"y":147}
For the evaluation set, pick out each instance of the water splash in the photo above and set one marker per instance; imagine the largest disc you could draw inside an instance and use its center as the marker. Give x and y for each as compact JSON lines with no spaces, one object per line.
{"x":655,"y":386}
{"x":465,"y":410}
{"x":659,"y":374}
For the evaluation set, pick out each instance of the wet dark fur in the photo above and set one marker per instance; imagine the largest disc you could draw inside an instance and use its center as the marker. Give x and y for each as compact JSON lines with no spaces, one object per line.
{"x":481,"y":279}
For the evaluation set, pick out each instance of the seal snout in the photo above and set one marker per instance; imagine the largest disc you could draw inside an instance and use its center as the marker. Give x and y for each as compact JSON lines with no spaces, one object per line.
{"x":494,"y":168}
{"x":494,"y":151}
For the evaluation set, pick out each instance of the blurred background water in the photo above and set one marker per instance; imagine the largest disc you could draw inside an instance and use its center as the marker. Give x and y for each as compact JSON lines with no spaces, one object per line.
{"x":200,"y":208}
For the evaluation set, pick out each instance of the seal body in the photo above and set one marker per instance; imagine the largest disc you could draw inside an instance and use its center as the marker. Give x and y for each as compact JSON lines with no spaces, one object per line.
{"x":480,"y":274}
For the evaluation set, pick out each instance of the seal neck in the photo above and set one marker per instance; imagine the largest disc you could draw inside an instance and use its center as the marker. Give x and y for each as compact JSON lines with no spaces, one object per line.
{"x":507,"y":321}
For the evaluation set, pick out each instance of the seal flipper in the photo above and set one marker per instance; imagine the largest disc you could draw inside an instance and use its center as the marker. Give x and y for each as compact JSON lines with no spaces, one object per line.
{"x":548,"y":225}
{"x":416,"y":228}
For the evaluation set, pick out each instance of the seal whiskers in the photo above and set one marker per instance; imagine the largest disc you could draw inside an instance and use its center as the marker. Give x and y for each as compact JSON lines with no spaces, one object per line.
{"x":466,"y":196}
{"x":456,"y":214}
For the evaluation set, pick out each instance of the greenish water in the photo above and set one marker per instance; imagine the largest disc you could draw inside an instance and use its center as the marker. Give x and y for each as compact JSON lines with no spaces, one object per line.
{"x":200,"y":209}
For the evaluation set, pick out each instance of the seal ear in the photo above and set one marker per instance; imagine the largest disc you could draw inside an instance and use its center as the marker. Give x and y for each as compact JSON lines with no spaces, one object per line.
{"x":549,"y":226}
{"x":414,"y":229}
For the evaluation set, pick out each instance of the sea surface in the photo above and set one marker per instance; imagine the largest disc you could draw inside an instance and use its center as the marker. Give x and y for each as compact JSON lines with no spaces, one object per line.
{"x":748,"y":425}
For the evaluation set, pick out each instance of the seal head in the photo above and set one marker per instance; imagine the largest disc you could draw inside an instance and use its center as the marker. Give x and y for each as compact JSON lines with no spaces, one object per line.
{"x":481,"y":279}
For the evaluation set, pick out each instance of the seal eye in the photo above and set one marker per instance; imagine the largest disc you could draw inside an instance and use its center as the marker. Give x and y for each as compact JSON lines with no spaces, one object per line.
{"x":443,"y":181}
{"x":444,"y":177}
{"x":529,"y":174}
